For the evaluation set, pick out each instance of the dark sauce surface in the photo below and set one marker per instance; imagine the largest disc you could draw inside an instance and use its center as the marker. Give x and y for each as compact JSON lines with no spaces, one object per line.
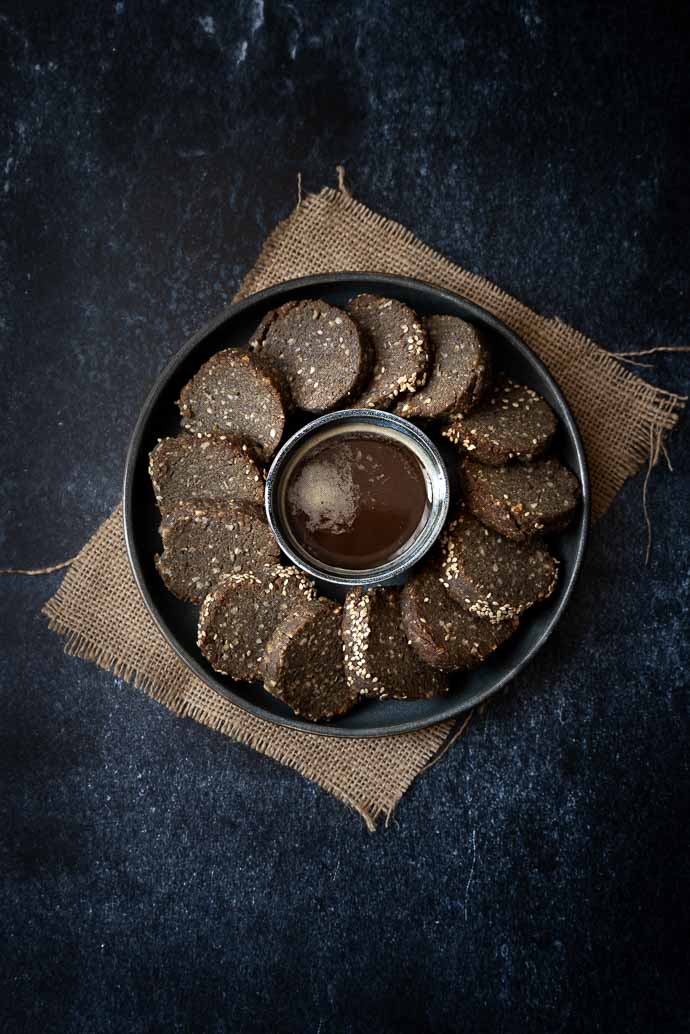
{"x":356,"y":500}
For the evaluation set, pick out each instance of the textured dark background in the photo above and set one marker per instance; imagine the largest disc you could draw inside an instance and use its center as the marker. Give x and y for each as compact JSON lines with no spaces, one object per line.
{"x":158,"y":877}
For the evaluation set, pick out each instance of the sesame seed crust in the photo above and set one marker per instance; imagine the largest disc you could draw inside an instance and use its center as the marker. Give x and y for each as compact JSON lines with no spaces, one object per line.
{"x":206,"y":539}
{"x":303,"y":662}
{"x":234,"y":395}
{"x":239,"y":616}
{"x":186,"y":467}
{"x":400,"y":349}
{"x":491,"y":576}
{"x":460,"y":371}
{"x":379,"y":661}
{"x":319,"y":351}
{"x":442,"y":632}
{"x":512,"y":423}
{"x":523,"y":500}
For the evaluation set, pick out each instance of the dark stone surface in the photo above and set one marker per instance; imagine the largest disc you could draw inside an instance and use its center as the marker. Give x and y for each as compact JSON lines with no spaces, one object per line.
{"x":159,"y":877}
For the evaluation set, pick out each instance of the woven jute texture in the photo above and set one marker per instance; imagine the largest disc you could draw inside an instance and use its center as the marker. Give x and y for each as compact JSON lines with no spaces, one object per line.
{"x":98,"y":608}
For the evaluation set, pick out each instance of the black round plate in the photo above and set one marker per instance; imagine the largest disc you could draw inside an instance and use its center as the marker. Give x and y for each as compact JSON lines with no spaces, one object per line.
{"x":159,"y":417}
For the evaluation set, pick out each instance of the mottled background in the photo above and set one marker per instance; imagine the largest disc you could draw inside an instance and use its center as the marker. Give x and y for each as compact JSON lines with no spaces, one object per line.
{"x":158,"y":877}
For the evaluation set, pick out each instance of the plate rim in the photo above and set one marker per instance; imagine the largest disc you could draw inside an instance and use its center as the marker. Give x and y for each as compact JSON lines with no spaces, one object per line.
{"x":326,"y":279}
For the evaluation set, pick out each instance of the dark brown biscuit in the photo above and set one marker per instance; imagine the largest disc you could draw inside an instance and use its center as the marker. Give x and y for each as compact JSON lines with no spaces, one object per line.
{"x":206,"y":539}
{"x":514,"y":422}
{"x":441,"y":631}
{"x":522,"y":500}
{"x":491,"y":576}
{"x":318,"y":350}
{"x":460,"y":371}
{"x":303,"y":662}
{"x":400,"y":347}
{"x":233,"y":394}
{"x":187,"y":467}
{"x":241,"y":614}
{"x":379,"y":660}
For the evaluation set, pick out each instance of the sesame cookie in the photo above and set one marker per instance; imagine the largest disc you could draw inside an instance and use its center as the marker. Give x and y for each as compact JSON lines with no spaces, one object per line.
{"x":522,"y":500}
{"x":206,"y":539}
{"x":441,"y":631}
{"x":400,"y":346}
{"x":379,"y":660}
{"x":187,"y":467}
{"x":235,"y":395}
{"x":512,"y":423}
{"x":460,"y":371}
{"x":317,"y":349}
{"x":490,"y":575}
{"x":241,"y":614}
{"x":303,"y":662}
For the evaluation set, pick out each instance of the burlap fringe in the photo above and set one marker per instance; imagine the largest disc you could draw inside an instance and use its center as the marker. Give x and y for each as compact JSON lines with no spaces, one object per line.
{"x":340,"y":169}
{"x":654,"y":351}
{"x":37,"y":570}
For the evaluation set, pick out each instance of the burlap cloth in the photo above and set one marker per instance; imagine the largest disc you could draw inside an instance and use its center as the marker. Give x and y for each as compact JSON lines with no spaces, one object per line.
{"x":98,"y":608}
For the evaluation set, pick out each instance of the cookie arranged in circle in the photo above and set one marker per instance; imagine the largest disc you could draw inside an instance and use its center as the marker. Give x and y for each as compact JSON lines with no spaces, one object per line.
{"x":444,"y":633}
{"x":262,"y":620}
{"x":492,"y":576}
{"x":460,"y":371}
{"x":188,"y":467}
{"x":512,"y":423}
{"x":317,"y":349}
{"x":522,"y":500}
{"x":235,"y":395}
{"x":241,"y":614}
{"x":303,"y":662}
{"x":207,"y":539}
{"x":400,"y":349}
{"x":379,"y":660}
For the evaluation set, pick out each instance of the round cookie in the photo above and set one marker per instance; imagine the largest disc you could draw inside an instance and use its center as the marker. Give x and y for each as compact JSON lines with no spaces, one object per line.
{"x":207,"y":539}
{"x":379,"y":660}
{"x":187,"y":467}
{"x":460,"y":371}
{"x":317,"y":349}
{"x":400,"y":348}
{"x":491,"y":576}
{"x":513,"y":422}
{"x":441,"y":631}
{"x":522,"y":500}
{"x":303,"y":662}
{"x":235,"y":395}
{"x":241,"y":614}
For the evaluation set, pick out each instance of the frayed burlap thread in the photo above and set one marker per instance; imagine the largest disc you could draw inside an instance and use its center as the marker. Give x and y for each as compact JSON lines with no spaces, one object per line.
{"x":101,"y":615}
